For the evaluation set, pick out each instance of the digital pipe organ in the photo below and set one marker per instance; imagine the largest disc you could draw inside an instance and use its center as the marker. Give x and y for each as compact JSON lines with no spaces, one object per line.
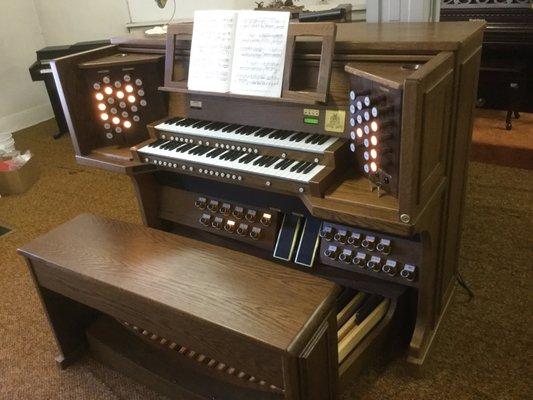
{"x":361,"y":184}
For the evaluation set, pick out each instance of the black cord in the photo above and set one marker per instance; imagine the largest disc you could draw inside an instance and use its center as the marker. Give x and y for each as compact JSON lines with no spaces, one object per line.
{"x":465,"y":286}
{"x":173,"y":13}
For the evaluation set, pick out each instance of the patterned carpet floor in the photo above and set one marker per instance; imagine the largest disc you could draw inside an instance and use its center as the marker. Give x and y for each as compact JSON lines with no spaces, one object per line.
{"x":483,"y":351}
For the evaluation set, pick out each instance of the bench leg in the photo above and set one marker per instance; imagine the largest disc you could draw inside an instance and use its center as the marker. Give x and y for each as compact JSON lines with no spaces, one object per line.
{"x":508,"y":120}
{"x":68,"y":320}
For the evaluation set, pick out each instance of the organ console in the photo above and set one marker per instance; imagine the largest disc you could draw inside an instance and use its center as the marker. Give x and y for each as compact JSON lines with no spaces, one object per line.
{"x":363,"y":187}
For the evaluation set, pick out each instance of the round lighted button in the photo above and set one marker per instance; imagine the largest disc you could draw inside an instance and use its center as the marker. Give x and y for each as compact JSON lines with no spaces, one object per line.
{"x":352,"y":135}
{"x":134,"y":108}
{"x":127,"y":78}
{"x":136,"y":118}
{"x":96,"y":86}
{"x":125,"y":114}
{"x":352,"y":122}
{"x":109,"y":135}
{"x":352,"y":147}
{"x":111,"y":100}
{"x":359,"y":119}
{"x":140,"y":92}
{"x":118,"y":84}
{"x":374,"y":112}
{"x":118,"y":129}
{"x":352,"y":108}
{"x":138,"y":82}
{"x":106,"y":79}
{"x":142,"y":102}
{"x":352,"y":95}
{"x":107,"y":125}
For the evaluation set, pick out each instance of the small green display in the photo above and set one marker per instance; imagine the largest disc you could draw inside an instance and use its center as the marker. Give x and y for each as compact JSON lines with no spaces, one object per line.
{"x":311,"y":120}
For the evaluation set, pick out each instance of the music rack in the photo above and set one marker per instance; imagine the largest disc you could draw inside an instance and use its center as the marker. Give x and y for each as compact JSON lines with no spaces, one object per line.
{"x":176,"y":74}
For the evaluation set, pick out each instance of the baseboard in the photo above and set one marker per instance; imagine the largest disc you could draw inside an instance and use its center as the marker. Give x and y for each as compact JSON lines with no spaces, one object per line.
{"x":26,"y":118}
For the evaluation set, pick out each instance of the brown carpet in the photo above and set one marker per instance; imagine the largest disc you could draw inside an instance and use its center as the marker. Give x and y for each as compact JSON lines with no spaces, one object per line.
{"x":484,"y":349}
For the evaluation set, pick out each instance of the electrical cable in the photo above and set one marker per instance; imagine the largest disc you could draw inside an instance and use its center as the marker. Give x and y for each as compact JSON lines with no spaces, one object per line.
{"x":465,"y":286}
{"x":173,"y":12}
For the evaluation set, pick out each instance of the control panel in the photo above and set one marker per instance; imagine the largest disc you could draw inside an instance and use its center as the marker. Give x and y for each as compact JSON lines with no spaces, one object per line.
{"x":368,"y":252}
{"x":374,"y":131}
{"x":254,"y":225}
{"x":124,"y":97}
{"x":239,"y":221}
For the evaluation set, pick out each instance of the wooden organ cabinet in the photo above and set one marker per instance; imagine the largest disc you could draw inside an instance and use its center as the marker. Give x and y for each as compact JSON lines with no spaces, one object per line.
{"x":285,"y":239}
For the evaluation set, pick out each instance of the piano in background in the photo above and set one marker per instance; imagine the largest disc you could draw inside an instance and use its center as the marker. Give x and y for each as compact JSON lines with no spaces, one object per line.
{"x":506,"y":74}
{"x":40,"y":71}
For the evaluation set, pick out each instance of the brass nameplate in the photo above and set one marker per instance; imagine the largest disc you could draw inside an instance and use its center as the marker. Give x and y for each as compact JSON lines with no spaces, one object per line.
{"x":334,"y":121}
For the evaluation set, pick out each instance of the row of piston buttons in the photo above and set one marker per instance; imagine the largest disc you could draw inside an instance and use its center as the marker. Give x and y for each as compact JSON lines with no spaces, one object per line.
{"x":238,"y":212}
{"x":230,"y":226}
{"x":191,"y":169}
{"x":374,"y":263}
{"x":200,"y":142}
{"x":355,"y":239}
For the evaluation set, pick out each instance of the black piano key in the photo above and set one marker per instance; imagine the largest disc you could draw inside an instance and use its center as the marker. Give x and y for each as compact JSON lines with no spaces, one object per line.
{"x":164,"y":145}
{"x":216,"y":153}
{"x":286,"y":164}
{"x":309,"y":168}
{"x":249,"y":158}
{"x":280,"y":163}
{"x":259,"y":160}
{"x":226,"y":155}
{"x":317,"y":139}
{"x":186,"y":147}
{"x":240,"y":131}
{"x":294,"y":136}
{"x":204,"y":150}
{"x":272,"y":161}
{"x":294,"y":167}
{"x":301,"y":137}
{"x":179,"y":147}
{"x":302,"y":167}
{"x":157,"y":143}
{"x":231,"y":128}
{"x":193,"y":149}
{"x":171,"y":121}
{"x":263,"y":132}
{"x":310,"y":138}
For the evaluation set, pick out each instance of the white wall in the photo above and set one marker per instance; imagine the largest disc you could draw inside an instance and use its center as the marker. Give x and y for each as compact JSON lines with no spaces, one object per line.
{"x":70,"y":21}
{"x":403,"y":11}
{"x":147,"y":11}
{"x":22,"y":102}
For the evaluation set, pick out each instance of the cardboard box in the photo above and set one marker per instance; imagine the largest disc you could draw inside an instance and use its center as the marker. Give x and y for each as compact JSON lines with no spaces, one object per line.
{"x":20,"y":180}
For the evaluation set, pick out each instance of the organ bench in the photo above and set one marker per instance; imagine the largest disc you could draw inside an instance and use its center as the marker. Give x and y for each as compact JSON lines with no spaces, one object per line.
{"x":224,"y":326}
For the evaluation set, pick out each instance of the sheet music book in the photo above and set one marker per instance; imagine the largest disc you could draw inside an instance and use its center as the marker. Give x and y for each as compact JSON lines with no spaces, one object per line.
{"x":240,"y":52}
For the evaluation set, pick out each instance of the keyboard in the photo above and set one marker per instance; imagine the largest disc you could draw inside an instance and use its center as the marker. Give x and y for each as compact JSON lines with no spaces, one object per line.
{"x":227,"y":161}
{"x":283,"y":139}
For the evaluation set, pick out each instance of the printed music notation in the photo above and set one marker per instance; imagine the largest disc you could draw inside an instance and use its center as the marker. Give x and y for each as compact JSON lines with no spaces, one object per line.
{"x":212,"y":50}
{"x":240,"y":52}
{"x":260,"y":43}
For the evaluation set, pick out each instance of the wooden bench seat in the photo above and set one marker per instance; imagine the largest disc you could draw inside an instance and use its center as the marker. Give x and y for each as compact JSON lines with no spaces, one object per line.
{"x":143,"y":296}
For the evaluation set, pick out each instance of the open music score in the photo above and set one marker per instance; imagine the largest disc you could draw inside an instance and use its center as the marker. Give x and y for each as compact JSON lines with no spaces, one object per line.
{"x":238,"y":52}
